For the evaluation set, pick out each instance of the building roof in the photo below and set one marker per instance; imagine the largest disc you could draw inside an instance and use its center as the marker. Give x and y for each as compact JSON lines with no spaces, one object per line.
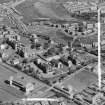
{"x":25,"y":41}
{"x":8,"y":52}
{"x":86,"y":57}
{"x":16,"y":57}
{"x":88,"y":40}
{"x":75,"y":6}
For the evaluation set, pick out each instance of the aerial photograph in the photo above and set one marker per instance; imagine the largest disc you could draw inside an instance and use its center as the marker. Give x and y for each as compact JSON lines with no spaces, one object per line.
{"x":52,"y":52}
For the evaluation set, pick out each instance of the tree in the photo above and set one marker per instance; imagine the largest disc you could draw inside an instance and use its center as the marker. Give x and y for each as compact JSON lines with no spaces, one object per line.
{"x":24,"y":61}
{"x":21,"y":53}
{"x":4,"y":28}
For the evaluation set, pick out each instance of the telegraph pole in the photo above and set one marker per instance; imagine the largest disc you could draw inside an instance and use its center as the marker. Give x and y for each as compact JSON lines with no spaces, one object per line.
{"x":99,"y":48}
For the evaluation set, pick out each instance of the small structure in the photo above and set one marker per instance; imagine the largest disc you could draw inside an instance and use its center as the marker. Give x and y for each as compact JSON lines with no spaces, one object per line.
{"x":11,"y":79}
{"x":97,"y":98}
{"x":7,"y":53}
{"x":77,"y":6}
{"x":29,"y":88}
{"x":90,"y":26}
{"x":3,"y":46}
{"x":29,"y":52}
{"x":71,"y":91}
{"x":60,"y":65}
{"x":16,"y":61}
{"x":70,"y":64}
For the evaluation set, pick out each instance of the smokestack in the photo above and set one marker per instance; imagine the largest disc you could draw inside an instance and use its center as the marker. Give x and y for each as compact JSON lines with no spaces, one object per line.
{"x":11,"y":80}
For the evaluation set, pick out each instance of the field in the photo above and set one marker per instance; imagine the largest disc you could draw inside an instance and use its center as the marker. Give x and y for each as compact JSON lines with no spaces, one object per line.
{"x":80,"y":80}
{"x":8,"y":93}
{"x":32,"y":9}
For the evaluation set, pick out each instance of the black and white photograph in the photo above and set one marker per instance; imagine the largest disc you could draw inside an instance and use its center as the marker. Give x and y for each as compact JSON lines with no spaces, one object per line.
{"x":52,"y":52}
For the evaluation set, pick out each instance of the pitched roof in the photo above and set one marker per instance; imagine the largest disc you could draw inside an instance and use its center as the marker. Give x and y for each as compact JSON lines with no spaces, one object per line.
{"x":88,"y":40}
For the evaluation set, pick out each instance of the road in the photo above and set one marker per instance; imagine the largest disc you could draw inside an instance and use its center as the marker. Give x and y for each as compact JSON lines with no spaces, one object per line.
{"x":40,"y":87}
{"x":5,"y":73}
